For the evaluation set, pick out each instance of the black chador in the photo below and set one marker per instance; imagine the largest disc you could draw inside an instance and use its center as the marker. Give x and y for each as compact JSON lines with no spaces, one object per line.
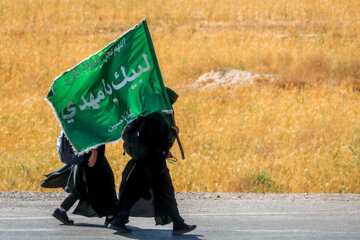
{"x":148,"y":140}
{"x":146,"y":190}
{"x":94,"y":187}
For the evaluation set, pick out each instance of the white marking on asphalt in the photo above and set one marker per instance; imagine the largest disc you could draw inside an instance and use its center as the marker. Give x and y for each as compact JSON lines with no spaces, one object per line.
{"x":276,"y":230}
{"x":29,"y":230}
{"x":293,"y":231}
{"x":24,"y":218}
{"x":270,"y":213}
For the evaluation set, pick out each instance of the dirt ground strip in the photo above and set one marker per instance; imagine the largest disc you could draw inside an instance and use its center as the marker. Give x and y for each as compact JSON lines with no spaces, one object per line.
{"x":36,"y":196}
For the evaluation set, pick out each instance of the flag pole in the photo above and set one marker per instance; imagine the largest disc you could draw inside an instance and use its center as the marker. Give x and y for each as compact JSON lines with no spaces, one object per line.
{"x":177,"y":137}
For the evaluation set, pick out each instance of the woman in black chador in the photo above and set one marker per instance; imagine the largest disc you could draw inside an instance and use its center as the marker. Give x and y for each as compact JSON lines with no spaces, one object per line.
{"x":91,"y":182}
{"x":148,"y":140}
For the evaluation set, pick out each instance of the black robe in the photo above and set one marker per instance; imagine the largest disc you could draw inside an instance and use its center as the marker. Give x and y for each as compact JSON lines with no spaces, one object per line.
{"x":146,"y":188}
{"x":148,"y":178}
{"x":93,"y":186}
{"x":143,"y":194}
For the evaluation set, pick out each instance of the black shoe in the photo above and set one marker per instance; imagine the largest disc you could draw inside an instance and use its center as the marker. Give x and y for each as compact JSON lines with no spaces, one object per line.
{"x":62,"y":217}
{"x":182,"y":228}
{"x":120,"y":227}
{"x":108,"y":221}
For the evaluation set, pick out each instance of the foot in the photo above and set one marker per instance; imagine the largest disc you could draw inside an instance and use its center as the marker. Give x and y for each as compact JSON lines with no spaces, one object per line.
{"x":62,"y":217}
{"x":120,"y":227}
{"x":108,"y":221}
{"x":182,"y":228}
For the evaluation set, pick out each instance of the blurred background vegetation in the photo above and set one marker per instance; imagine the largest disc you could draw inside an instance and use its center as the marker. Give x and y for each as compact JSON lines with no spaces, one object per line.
{"x":300,"y":133}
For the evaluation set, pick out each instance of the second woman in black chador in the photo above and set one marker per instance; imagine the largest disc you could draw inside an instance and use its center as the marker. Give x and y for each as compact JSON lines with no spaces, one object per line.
{"x":91,"y":182}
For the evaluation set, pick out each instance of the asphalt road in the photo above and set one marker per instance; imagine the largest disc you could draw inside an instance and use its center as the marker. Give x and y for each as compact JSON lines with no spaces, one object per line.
{"x":27,"y":216}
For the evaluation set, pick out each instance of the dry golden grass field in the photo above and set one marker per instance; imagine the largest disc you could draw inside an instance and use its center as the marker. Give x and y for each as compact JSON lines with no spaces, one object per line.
{"x":300,"y":133}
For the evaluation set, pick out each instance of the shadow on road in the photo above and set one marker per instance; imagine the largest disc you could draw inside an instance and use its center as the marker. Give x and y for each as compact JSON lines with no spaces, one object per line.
{"x":89,"y":225}
{"x":139,"y":233}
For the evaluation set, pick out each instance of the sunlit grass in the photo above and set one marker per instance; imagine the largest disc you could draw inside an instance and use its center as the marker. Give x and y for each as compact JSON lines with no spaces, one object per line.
{"x":299,"y":134}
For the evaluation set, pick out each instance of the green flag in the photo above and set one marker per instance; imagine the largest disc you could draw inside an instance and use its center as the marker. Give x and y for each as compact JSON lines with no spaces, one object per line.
{"x":94,"y":100}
